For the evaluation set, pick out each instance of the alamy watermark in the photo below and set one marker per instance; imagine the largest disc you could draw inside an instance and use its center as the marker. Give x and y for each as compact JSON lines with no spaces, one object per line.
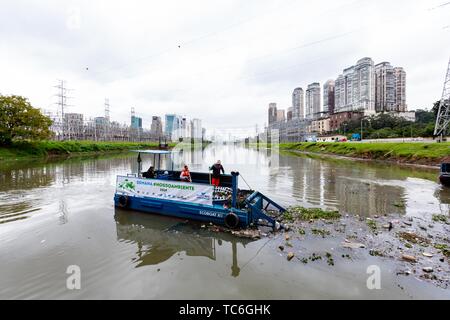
{"x":73,"y":21}
{"x":73,"y":282}
{"x":374,"y":280}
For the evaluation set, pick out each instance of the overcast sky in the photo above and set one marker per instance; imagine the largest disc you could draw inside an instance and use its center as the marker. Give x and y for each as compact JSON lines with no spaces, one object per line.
{"x":222,"y":61}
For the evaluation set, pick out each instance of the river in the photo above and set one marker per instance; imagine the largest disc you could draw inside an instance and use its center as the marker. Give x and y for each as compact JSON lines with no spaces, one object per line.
{"x":60,"y":213}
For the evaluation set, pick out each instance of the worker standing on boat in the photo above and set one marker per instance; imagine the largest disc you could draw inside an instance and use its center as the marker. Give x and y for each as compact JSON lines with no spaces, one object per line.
{"x":216,"y":169}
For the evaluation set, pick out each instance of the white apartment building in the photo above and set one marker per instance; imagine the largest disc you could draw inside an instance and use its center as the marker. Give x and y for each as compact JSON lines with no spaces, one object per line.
{"x":355,"y":88}
{"x":312,"y":100}
{"x":298,"y":104}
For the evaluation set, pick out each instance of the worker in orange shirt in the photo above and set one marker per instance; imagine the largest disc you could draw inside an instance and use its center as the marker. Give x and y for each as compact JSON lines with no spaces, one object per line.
{"x":185,"y":175}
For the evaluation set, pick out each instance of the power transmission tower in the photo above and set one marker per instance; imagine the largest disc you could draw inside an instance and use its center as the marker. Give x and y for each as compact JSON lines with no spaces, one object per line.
{"x":107,"y":110}
{"x":107,"y":120}
{"x":133,"y":116}
{"x":62,"y":105}
{"x":443,"y":117}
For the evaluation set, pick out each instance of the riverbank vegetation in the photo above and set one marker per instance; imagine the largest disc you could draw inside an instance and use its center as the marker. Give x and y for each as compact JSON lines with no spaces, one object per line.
{"x":39,"y":149}
{"x":19,"y":121}
{"x":385,"y":126}
{"x":25,"y":133}
{"x":408,"y":152}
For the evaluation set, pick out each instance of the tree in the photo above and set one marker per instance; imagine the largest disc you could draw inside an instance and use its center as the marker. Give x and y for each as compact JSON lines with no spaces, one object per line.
{"x":435,"y":108}
{"x":20,"y":121}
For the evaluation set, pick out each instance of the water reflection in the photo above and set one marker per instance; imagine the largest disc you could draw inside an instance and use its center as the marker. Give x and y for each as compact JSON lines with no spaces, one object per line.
{"x":159,"y":238}
{"x":352,"y":187}
{"x":69,"y":204}
{"x":357,"y":187}
{"x":25,"y":187}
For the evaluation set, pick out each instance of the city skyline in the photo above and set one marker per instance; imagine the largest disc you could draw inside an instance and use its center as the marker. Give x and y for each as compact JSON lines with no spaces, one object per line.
{"x":235,"y":67}
{"x":365,"y":86}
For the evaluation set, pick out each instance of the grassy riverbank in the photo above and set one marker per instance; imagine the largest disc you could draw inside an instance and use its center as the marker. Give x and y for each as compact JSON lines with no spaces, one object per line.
{"x":41,"y":149}
{"x":415,"y":153}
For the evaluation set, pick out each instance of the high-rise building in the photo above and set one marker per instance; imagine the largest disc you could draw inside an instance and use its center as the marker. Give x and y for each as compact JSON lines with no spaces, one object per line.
{"x":185,"y":128}
{"x":364,"y":86}
{"x":328,"y":96}
{"x":272,"y":113}
{"x":384,"y":87}
{"x":390,"y":88}
{"x":203,"y":133}
{"x":312,"y":99}
{"x":400,"y":90}
{"x":281,"y":116}
{"x":290,"y":114}
{"x":156,"y":129}
{"x":173,"y":127}
{"x":136,"y":122}
{"x":196,"y":129}
{"x":355,"y":88}
{"x":298,"y":104}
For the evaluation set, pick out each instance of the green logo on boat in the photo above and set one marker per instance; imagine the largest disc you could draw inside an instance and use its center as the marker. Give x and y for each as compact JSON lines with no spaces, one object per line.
{"x":127,"y":185}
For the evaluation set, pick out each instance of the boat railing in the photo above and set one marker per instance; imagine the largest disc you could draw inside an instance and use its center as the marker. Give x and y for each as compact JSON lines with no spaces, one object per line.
{"x":261,"y":211}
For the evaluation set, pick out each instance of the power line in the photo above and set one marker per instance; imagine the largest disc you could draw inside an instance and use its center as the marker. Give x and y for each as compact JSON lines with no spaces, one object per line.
{"x":298,"y":47}
{"x":182,"y":44}
{"x":440,"y":6}
{"x":211,"y":34}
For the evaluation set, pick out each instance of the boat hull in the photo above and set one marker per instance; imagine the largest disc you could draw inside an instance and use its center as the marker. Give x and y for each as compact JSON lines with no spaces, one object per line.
{"x":445,"y":179}
{"x":183,"y":210}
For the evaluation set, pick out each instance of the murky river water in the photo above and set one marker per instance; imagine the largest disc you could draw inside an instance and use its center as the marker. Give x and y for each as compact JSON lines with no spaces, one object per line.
{"x":61,"y":213}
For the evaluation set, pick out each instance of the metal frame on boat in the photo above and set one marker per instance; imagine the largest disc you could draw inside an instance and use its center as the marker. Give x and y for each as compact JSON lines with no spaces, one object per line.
{"x":167,"y":195}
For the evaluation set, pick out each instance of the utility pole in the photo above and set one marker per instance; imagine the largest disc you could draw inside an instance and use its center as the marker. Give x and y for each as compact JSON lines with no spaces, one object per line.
{"x":443,"y":117}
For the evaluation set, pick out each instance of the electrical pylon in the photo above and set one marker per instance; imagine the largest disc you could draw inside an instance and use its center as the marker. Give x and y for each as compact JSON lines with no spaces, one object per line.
{"x":443,"y":116}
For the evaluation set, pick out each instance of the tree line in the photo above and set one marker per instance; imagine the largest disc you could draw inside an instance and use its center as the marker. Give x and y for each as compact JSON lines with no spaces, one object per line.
{"x":19,"y":121}
{"x":384,"y":125}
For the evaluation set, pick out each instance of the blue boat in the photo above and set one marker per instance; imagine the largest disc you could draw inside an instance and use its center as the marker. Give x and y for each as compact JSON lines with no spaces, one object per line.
{"x":444,"y":176}
{"x":167,"y":195}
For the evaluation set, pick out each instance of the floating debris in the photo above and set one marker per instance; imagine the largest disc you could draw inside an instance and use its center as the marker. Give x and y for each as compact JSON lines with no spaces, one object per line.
{"x":388,"y":226}
{"x":372,"y":225}
{"x":399,"y":205}
{"x":249,"y":234}
{"x":440,"y":218}
{"x":352,"y":245}
{"x":306,"y":214}
{"x":413,"y":238}
{"x":428,"y":269}
{"x":409,"y":258}
{"x":330,"y":259}
{"x":290,"y":256}
{"x":321,"y":232}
